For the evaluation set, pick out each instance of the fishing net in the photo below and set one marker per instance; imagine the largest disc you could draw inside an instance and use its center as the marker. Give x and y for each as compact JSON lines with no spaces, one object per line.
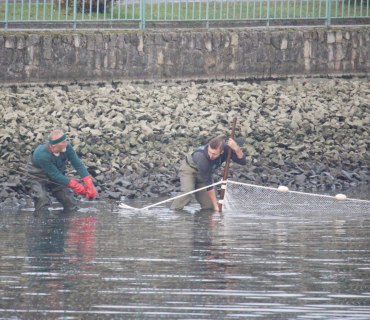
{"x":253,"y":198}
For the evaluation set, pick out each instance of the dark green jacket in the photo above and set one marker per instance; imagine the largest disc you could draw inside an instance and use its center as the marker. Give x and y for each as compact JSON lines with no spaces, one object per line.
{"x":54,"y":166}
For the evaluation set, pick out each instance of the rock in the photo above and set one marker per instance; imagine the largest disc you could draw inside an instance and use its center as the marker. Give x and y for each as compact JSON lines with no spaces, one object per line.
{"x":303,"y":134}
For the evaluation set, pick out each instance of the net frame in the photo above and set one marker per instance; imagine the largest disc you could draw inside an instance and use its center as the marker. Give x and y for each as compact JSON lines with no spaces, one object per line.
{"x":255,"y":198}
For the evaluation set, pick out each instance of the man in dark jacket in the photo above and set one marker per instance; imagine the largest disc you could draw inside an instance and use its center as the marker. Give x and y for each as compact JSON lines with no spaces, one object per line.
{"x":197,"y":169}
{"x":47,"y":174}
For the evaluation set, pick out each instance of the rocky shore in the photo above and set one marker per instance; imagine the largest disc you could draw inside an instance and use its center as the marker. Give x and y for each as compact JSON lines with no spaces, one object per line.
{"x":308,"y":134}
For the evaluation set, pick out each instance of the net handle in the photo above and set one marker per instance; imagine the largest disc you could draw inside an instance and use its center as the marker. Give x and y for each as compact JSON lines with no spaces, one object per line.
{"x":125,"y":206}
{"x":227,"y":166}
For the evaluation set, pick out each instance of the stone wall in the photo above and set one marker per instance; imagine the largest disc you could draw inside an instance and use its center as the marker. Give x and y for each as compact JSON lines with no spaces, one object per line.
{"x":183,"y":54}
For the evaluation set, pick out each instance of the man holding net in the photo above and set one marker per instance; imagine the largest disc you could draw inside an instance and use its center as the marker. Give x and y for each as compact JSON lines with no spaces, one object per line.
{"x":47,"y":174}
{"x":197,"y":169}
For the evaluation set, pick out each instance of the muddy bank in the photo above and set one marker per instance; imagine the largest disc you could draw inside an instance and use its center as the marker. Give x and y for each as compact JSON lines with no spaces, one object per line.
{"x":306,"y":134}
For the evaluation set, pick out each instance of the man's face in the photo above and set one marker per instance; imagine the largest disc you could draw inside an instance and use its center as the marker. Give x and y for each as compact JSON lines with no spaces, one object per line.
{"x":214,"y":153}
{"x":60,"y":147}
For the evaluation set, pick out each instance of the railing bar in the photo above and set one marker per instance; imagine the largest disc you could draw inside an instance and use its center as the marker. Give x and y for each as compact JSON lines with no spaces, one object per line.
{"x":260,"y":7}
{"x":22,"y":9}
{"x":6,"y":14}
{"x":313,"y":9}
{"x":281,"y":8}
{"x":14,"y":10}
{"x":186,"y":9}
{"x":207,"y":14}
{"x":37,"y":10}
{"x":200,"y":11}
{"x":97,"y":10}
{"x":74,"y":14}
{"x":44,"y":11}
{"x":151,"y":10}
{"x":172,"y":9}
{"x":288,"y":9}
{"x":29,"y":10}
{"x":112,"y":10}
{"x":104,"y":10}
{"x":348,"y":8}
{"x":179,"y":10}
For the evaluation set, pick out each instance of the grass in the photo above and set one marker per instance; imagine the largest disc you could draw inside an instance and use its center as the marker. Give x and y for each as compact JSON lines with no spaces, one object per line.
{"x":36,"y":10}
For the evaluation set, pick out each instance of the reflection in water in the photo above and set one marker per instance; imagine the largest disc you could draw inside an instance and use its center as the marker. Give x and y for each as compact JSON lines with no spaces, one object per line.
{"x":81,"y":240}
{"x":45,"y":261}
{"x":59,"y":250}
{"x":158,"y":264}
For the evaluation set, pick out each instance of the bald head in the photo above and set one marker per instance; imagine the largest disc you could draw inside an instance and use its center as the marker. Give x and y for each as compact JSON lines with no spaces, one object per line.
{"x":58,"y":141}
{"x":55,"y":134}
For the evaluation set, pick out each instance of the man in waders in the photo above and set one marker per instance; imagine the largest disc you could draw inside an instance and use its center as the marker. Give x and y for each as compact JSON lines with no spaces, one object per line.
{"x":47,"y":174}
{"x":197,"y":168}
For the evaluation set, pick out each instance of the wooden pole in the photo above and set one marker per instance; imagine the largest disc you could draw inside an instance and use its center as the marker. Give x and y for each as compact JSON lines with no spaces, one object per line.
{"x":227,"y":165}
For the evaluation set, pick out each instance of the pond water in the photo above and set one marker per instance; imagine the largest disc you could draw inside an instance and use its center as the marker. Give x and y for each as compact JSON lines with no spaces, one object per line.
{"x":103,"y":262}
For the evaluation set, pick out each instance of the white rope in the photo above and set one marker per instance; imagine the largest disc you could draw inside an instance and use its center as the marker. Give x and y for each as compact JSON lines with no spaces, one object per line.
{"x":125,"y":206}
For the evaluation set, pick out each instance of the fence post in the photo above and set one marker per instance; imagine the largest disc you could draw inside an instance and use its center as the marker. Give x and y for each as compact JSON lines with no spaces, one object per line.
{"x":207,"y":14}
{"x":6,"y":14}
{"x":268,"y":12}
{"x":74,"y":13}
{"x":142,"y":14}
{"x":328,"y":13}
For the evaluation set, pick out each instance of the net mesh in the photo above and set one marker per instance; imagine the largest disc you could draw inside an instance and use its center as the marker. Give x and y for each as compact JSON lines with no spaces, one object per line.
{"x":252,"y":198}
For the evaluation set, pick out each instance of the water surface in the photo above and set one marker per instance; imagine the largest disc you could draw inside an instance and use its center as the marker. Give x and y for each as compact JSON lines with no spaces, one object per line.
{"x":106,"y":263}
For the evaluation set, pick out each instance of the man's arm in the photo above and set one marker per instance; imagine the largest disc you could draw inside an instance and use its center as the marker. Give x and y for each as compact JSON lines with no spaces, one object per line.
{"x":237,"y":153}
{"x":213,"y":197}
{"x":82,"y":172}
{"x":76,"y":162}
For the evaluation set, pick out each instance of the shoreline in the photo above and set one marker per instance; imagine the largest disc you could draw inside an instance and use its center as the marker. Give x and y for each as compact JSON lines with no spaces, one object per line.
{"x":303,"y":133}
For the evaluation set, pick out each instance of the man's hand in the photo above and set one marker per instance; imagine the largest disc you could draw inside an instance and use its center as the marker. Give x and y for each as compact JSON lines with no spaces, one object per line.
{"x":90,"y":189}
{"x":212,"y":196}
{"x":76,"y":187}
{"x":234,"y":146}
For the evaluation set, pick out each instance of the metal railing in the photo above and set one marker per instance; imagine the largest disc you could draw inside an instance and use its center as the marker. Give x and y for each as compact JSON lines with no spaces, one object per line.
{"x":141,"y":13}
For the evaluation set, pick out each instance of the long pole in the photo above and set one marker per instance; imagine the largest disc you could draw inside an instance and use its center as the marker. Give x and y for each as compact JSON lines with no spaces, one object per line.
{"x":227,"y":165}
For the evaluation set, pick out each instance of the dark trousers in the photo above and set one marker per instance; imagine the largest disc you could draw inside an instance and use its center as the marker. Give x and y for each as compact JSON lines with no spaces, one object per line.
{"x":190,"y":180}
{"x":41,"y":188}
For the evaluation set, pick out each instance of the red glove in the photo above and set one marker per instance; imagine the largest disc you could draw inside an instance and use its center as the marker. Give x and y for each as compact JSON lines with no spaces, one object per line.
{"x":76,"y":187}
{"x":90,"y":189}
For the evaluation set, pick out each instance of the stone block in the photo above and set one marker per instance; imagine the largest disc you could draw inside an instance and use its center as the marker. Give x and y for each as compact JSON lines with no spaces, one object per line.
{"x":10,"y":42}
{"x":338,"y":36}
